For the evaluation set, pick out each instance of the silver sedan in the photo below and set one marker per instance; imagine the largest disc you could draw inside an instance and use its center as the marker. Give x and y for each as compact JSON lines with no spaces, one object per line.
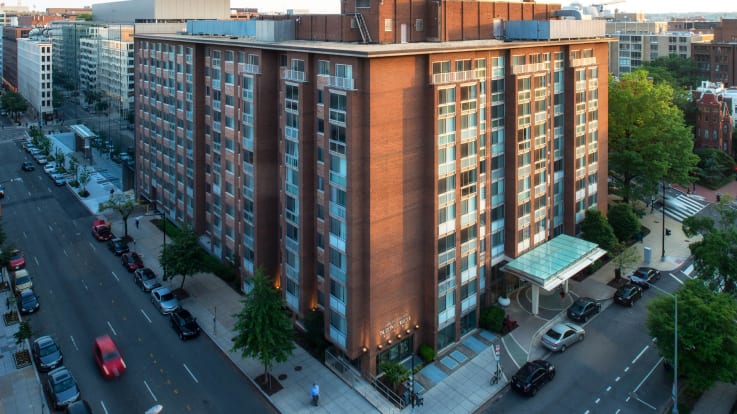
{"x":562,"y":335}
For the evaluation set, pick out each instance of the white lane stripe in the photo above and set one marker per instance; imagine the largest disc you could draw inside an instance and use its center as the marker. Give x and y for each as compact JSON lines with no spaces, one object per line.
{"x":102,"y":403}
{"x":146,"y":316}
{"x":36,"y":260}
{"x":92,"y":246}
{"x":65,"y":252}
{"x":640,"y":354}
{"x":85,"y":285}
{"x":676,"y":279}
{"x":149,"y":391}
{"x":626,"y":369}
{"x":74,"y":343}
{"x":609,"y":388}
{"x":617,"y":379}
{"x":115,"y":276}
{"x":597,"y":400}
{"x":111,"y":328}
{"x":190,"y":373}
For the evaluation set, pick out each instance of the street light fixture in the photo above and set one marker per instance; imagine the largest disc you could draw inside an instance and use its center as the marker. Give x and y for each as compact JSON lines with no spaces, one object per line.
{"x":675,"y":344}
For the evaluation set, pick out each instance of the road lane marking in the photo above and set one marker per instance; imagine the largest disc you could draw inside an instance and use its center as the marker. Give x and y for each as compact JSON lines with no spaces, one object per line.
{"x":150,"y":392}
{"x":92,"y":246}
{"x":111,"y":328}
{"x":85,"y":285}
{"x":74,"y":343}
{"x":618,"y":410}
{"x":628,"y":399}
{"x":616,"y":379}
{"x":102,"y":403}
{"x":609,"y":388}
{"x":676,"y":279}
{"x":25,"y":235}
{"x":115,"y":276}
{"x":626,"y":369}
{"x":145,"y":316}
{"x":36,"y":260}
{"x":640,"y":354}
{"x":65,"y":252}
{"x":587,"y":412}
{"x":190,"y":373}
{"x":648,"y":375}
{"x":597,"y":401}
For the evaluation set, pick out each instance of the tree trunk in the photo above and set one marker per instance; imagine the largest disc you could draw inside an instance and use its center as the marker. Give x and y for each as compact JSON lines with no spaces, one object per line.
{"x":125,"y":226}
{"x":617,"y":273}
{"x":182,"y":285}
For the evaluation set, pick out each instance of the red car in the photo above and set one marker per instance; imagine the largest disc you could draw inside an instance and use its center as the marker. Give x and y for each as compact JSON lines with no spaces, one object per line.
{"x":108,"y":357}
{"x":17,"y":260}
{"x":101,"y":230}
{"x":131,"y":261}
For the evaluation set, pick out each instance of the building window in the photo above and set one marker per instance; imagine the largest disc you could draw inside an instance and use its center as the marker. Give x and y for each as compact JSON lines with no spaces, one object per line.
{"x":323,"y":68}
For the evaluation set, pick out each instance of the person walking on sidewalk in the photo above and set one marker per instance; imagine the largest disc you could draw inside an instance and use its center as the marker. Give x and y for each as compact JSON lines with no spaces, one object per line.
{"x":315,"y":394}
{"x":138,"y":219}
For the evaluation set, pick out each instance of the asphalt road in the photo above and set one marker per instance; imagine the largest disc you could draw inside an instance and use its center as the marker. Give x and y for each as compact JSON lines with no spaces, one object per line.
{"x":616,"y":369}
{"x":85,"y":292}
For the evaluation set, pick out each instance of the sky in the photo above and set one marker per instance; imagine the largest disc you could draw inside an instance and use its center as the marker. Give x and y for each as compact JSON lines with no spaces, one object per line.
{"x":646,"y":6}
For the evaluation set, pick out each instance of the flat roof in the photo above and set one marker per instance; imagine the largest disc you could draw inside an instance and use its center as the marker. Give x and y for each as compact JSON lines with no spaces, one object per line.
{"x":555,"y":261}
{"x":82,"y":131}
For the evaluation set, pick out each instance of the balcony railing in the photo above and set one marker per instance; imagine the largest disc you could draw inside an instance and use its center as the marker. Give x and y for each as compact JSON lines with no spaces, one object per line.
{"x":293,"y":75}
{"x":341,"y":83}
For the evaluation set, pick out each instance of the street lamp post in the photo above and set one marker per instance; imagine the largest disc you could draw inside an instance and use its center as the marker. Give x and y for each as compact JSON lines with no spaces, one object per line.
{"x":662,"y":256}
{"x":675,"y":345}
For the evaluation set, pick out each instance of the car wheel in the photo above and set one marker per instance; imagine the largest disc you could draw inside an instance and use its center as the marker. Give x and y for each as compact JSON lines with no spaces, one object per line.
{"x":585,"y":318}
{"x":533,"y":391}
{"x":632,"y":302}
{"x":563,"y":348}
{"x":580,"y":337}
{"x":181,"y":336}
{"x":551,"y":375}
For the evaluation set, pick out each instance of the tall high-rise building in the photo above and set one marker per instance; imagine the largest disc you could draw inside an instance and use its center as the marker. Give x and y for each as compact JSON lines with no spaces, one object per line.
{"x":382,"y":165}
{"x":35,"y":70}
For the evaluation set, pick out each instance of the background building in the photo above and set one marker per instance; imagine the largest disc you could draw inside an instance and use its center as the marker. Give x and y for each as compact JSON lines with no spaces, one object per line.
{"x":716,"y":58}
{"x":380,"y":166}
{"x":160,"y":10}
{"x":716,"y":121}
{"x":35,"y":70}
{"x":10,"y":55}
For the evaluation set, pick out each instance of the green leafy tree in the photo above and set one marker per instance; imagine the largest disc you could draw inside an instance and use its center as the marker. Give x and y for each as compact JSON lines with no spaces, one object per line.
{"x":14,"y":103}
{"x":85,"y":16}
{"x":624,"y":222}
{"x":624,"y":257}
{"x":84,"y":178}
{"x":648,"y":139}
{"x":715,"y":255}
{"x":394,"y":372}
{"x":263,"y":329}
{"x":678,"y":71}
{"x":707,"y":333}
{"x":596,"y":229}
{"x":24,"y":332}
{"x":123,"y":203}
{"x":183,"y":256}
{"x":714,"y":167}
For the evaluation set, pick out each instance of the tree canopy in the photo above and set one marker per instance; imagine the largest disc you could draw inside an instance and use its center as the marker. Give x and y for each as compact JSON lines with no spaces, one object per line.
{"x":263,"y":329}
{"x":648,"y":139}
{"x":596,"y":229}
{"x":183,"y":256}
{"x":623,"y":220}
{"x":123,"y":203}
{"x":707,"y":333}
{"x":715,"y":255}
{"x":13,"y":102}
{"x":679,"y":72}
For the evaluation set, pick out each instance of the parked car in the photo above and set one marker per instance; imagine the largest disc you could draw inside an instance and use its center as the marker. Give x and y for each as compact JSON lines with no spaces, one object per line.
{"x":532,"y":376}
{"x":118,"y":246}
{"x":46,"y":353}
{"x":22,"y":280}
{"x":41,"y":159}
{"x":108,"y":357}
{"x":58,"y":179}
{"x":101,"y":230}
{"x":644,"y":276}
{"x":164,"y":300}
{"x":28,"y":302}
{"x":17,"y":260}
{"x":145,"y":278}
{"x":2,"y":191}
{"x":583,"y":308}
{"x":50,"y":168}
{"x":131,"y":261}
{"x":628,"y":294}
{"x":78,"y":407}
{"x":184,"y":324}
{"x":62,"y":387}
{"x":28,"y":166}
{"x":562,"y":335}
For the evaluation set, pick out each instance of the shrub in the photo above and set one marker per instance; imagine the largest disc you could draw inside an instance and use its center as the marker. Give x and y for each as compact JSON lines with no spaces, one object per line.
{"x":492,"y":319}
{"x":394,"y":372}
{"x":426,"y":353}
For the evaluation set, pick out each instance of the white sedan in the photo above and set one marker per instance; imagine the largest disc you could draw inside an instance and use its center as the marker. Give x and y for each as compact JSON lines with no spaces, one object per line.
{"x":562,"y":335}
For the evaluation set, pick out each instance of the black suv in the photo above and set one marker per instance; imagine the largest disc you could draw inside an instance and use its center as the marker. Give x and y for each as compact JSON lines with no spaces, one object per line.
{"x":118,"y":246}
{"x":628,"y":294}
{"x":583,"y":308}
{"x":644,"y":276}
{"x":184,"y":324}
{"x":532,"y":376}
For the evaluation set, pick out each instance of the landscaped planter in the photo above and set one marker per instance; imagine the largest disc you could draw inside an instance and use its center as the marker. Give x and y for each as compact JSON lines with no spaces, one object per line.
{"x":22,"y":359}
{"x":11,"y":318}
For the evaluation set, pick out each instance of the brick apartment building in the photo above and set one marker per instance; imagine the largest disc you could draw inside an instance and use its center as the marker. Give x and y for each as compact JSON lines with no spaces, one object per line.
{"x":717,"y":60}
{"x":715,"y":124}
{"x":381,"y":164}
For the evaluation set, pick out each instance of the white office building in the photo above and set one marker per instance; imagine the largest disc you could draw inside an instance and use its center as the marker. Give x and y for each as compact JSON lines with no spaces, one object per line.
{"x":35,"y":67}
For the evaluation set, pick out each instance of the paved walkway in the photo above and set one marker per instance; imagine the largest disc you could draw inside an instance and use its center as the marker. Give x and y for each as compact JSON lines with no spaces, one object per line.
{"x":457,"y":382}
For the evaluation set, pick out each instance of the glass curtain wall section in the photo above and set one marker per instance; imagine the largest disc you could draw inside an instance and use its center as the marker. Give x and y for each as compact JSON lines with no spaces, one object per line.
{"x":497,"y":157}
{"x":558,"y":140}
{"x":291,"y":192}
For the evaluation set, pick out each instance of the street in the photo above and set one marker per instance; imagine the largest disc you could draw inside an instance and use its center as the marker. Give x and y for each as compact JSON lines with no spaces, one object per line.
{"x":616,"y":369}
{"x":85,"y":292}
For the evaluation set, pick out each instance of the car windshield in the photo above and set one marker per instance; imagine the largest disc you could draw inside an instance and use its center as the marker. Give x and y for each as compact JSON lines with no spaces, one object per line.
{"x":147,"y":276}
{"x":63,"y":385}
{"x":578,"y":306}
{"x":111,"y":355}
{"x":22,"y":280}
{"x":29,"y":298}
{"x":16,"y":256}
{"x":49,"y":349}
{"x":167,"y":297}
{"x":525,"y":371}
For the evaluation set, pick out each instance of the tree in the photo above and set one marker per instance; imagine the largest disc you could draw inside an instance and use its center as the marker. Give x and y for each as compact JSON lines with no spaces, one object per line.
{"x":715,"y":255}
{"x":263,"y":329}
{"x":183,"y":256}
{"x":84,"y":178}
{"x":123,"y":203}
{"x":624,"y":257}
{"x":596,"y":229}
{"x":679,"y":72}
{"x":707,"y":333}
{"x":14,"y":103}
{"x":394,"y":372}
{"x":24,"y":332}
{"x":714,"y":167}
{"x":624,"y":222}
{"x":648,"y":139}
